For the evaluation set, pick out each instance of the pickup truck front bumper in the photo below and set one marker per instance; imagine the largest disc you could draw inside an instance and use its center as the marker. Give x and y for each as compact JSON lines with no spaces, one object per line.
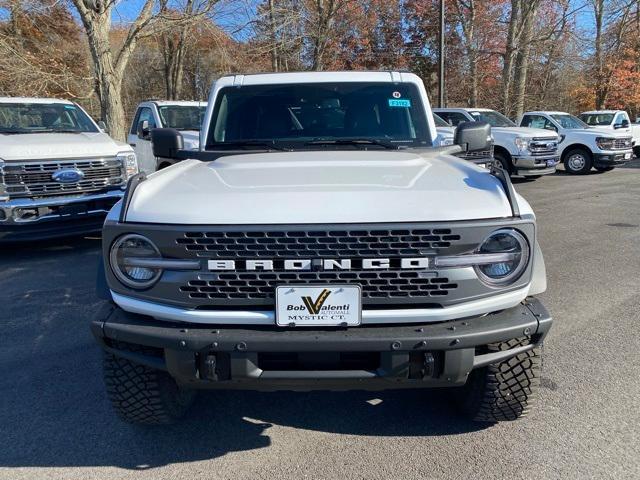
{"x":364,"y":358}
{"x":535,"y":165}
{"x":56,"y":216}
{"x":611,"y":159}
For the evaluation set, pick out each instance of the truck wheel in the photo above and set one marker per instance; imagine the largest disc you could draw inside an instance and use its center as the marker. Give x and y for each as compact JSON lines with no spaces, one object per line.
{"x":142,"y":395}
{"x":506,"y":164}
{"x":505,"y":390}
{"x":578,"y":161}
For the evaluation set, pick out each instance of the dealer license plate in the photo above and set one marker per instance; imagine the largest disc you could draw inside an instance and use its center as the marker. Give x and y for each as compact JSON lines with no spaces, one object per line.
{"x":318,"y":305}
{"x":551,"y":163}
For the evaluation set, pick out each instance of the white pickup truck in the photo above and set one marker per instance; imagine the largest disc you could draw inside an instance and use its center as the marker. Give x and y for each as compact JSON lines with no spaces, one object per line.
{"x":59,"y":172}
{"x":614,"y":120}
{"x":583,"y":147}
{"x":319,"y":240}
{"x":185,"y":116}
{"x":521,"y":151}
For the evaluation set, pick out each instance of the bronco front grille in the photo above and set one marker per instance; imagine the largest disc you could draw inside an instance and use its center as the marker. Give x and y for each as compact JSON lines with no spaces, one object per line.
{"x":258,"y":287}
{"x":375,"y":285}
{"x":317,"y":244}
{"x":34,"y":179}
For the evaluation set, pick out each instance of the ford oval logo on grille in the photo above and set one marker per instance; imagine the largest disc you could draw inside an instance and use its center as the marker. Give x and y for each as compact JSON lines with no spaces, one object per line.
{"x":68,"y":175}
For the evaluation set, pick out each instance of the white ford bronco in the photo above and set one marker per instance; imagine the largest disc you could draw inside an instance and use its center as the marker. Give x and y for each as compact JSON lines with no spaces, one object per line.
{"x":185,"y":116}
{"x":60,"y":173}
{"x":528,"y":152}
{"x":318,"y":240}
{"x":583,"y":147}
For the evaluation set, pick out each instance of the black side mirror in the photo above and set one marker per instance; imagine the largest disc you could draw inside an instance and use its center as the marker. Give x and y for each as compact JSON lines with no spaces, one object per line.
{"x":166,"y":142}
{"x":103,"y":126}
{"x":624,"y":124}
{"x":143,"y":130}
{"x":473,"y":136}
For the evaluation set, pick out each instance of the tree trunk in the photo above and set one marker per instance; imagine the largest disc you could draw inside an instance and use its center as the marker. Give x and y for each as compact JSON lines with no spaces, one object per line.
{"x":510,"y":55}
{"x":600,"y":89}
{"x":524,"y":51}
{"x":108,"y":79}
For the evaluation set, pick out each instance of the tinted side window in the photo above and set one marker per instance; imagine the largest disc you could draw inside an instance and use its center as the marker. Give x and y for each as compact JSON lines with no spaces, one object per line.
{"x":537,"y":121}
{"x":146,"y":114}
{"x":454,"y":118}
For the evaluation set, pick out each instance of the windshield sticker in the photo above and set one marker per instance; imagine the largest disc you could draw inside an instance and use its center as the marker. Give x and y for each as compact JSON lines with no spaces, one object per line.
{"x":396,"y":94}
{"x":394,"y":102}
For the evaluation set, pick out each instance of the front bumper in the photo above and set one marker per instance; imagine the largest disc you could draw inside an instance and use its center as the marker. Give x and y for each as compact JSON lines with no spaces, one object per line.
{"x":270,"y":358}
{"x":612,"y":159}
{"x":51,"y":217}
{"x":535,"y":165}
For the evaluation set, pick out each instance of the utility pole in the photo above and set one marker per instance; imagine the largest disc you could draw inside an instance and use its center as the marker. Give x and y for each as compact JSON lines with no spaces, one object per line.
{"x":441,"y":58}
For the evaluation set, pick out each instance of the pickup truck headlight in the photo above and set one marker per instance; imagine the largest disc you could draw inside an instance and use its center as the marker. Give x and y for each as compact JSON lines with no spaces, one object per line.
{"x":522,"y":144}
{"x":515,"y":255}
{"x":129,"y":162}
{"x":132,"y":259}
{"x":605,"y":143}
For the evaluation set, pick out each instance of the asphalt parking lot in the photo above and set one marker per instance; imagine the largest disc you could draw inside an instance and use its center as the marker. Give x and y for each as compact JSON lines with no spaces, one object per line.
{"x":55,"y":421}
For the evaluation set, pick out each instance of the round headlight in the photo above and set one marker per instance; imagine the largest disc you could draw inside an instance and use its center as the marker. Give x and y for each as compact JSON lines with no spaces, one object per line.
{"x":129,"y":259}
{"x":516,"y":249}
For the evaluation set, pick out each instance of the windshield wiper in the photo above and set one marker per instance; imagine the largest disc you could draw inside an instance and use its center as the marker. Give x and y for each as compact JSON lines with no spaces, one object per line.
{"x":249,"y":143}
{"x":354,"y":141}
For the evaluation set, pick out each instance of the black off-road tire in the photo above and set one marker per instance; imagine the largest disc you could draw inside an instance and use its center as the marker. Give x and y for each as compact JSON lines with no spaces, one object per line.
{"x":578,"y":167}
{"x":503,"y":391}
{"x":142,"y":395}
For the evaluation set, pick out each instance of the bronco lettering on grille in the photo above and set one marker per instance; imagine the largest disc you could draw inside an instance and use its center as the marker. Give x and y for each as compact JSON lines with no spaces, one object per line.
{"x":319,"y":264}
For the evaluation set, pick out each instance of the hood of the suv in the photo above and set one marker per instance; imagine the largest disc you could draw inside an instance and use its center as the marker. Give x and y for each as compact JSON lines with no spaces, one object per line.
{"x":524,"y":132}
{"x":319,"y":188}
{"x":40,"y":146}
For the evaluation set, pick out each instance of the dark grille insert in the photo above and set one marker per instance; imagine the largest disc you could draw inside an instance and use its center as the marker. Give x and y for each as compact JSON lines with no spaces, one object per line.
{"x":317,"y":244}
{"x":375,"y":285}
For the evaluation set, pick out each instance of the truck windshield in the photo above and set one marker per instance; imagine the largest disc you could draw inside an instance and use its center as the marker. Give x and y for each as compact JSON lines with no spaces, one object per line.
{"x":493,"y":118}
{"x":44,"y":118}
{"x":317,"y":115}
{"x":569,"y":121}
{"x":182,"y":117}
{"x":596,"y":119}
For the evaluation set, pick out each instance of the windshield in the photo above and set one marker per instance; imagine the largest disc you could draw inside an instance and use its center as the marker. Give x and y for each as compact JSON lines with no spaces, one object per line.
{"x":440,"y":122}
{"x":182,"y":117}
{"x":595,"y":119}
{"x":43,"y":118}
{"x":492,"y":117}
{"x":319,"y":114}
{"x":569,"y":121}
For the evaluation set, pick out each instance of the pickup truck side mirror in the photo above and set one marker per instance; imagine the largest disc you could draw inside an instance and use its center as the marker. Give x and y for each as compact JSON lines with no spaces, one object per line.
{"x":143,"y":130}
{"x":473,"y":136}
{"x":103,"y":126}
{"x":166,"y":142}
{"x":623,"y":124}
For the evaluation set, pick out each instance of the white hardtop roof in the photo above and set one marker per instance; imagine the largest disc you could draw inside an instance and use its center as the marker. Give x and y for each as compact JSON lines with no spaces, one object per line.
{"x":465,"y":109}
{"x":545,"y":112}
{"x":33,"y":100}
{"x":179,"y":103}
{"x":596,"y":112}
{"x":320,"y":77}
